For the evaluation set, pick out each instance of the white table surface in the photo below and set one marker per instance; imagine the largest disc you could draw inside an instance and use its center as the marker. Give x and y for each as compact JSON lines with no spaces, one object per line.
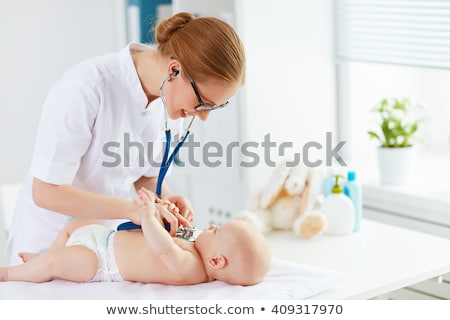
{"x":378,"y":259}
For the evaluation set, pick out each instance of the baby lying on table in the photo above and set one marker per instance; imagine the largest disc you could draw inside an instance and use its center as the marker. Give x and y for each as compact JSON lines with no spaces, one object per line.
{"x":84,"y":251}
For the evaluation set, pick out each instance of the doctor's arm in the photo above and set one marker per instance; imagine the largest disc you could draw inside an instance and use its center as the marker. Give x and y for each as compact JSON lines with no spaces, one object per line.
{"x":73,"y":201}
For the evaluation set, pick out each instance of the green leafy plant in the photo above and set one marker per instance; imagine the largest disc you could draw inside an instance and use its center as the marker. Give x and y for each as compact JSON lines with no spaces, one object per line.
{"x":399,"y":121}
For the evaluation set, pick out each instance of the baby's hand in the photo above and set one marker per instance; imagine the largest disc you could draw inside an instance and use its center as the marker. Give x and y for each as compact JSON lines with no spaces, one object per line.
{"x":147,"y":202}
{"x":163,"y":210}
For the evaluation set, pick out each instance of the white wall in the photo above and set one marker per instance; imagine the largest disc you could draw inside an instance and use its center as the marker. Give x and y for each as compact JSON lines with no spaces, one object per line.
{"x":39,"y":41}
{"x":289,"y":93}
{"x":290,"y":85}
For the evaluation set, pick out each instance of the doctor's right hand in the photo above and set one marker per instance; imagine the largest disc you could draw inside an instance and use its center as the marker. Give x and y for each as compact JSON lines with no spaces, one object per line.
{"x":171,"y":216}
{"x":166,"y":212}
{"x":171,"y":220}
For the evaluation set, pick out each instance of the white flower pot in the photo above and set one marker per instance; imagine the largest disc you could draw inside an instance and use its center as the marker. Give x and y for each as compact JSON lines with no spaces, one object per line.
{"x":396,"y":165}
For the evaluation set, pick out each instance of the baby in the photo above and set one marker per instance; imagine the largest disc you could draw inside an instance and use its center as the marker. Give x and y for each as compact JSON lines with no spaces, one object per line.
{"x":84,"y":251}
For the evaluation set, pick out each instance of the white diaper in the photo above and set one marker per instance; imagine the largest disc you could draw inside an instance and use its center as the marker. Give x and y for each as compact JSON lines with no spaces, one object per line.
{"x":100,"y":240}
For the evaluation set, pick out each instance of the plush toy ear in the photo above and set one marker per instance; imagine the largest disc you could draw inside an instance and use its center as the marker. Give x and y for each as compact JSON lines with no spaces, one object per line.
{"x":306,"y":196}
{"x":218,"y":262}
{"x":276,"y":183}
{"x":315,"y":181}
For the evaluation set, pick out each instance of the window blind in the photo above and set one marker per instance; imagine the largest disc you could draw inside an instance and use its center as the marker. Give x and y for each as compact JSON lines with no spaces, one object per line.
{"x":404,"y":32}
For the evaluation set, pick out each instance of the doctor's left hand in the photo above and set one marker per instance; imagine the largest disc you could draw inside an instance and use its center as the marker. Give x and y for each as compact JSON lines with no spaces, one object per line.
{"x":184,"y":205}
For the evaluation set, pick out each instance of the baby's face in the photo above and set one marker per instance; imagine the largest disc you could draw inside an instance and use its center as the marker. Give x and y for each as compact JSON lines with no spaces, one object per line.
{"x":207,"y":238}
{"x":214,"y":237}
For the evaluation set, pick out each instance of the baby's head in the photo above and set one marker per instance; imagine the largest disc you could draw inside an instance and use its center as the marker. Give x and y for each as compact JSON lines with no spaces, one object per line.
{"x":236,"y":252}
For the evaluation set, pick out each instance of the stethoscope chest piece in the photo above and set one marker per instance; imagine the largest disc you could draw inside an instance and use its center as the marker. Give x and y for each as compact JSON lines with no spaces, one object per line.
{"x":185,"y":233}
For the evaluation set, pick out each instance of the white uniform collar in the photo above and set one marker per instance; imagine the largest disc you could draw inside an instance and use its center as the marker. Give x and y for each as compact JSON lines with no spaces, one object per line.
{"x":126,"y":62}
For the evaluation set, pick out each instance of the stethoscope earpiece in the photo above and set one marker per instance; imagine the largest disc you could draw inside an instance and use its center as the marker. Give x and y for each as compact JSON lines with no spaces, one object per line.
{"x":174,"y":74}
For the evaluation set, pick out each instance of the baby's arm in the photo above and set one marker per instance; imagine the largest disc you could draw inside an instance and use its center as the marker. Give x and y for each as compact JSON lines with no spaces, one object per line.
{"x":158,"y":238}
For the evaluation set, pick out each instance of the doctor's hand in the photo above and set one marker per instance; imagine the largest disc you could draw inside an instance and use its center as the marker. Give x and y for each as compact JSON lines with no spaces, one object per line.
{"x":184,"y":206}
{"x":166,"y":212}
{"x":169,"y":215}
{"x":151,"y":206}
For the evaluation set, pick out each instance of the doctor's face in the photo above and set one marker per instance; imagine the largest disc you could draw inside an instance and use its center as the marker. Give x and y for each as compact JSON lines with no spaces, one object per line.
{"x":186,"y":98}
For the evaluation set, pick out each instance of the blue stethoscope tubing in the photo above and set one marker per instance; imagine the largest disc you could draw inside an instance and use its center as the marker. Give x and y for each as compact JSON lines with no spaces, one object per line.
{"x":165,"y":164}
{"x":166,"y":161}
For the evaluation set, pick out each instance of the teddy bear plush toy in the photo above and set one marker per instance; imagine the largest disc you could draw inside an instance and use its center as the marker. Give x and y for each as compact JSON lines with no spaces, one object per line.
{"x":289,"y":201}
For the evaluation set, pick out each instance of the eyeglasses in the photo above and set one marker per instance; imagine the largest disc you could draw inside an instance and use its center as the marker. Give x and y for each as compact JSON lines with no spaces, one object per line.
{"x":203,"y":106}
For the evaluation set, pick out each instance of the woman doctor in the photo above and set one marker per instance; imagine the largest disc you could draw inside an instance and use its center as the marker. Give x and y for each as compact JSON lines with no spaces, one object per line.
{"x":100,"y":115}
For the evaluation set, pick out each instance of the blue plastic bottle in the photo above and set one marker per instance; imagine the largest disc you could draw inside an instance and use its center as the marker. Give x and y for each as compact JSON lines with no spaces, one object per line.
{"x":353,"y":190}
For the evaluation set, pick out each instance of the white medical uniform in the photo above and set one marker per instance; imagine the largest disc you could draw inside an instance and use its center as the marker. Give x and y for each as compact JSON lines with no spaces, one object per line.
{"x":94,"y":126}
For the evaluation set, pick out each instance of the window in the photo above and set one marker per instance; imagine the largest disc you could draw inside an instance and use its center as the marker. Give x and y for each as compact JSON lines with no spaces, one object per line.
{"x":362,"y":85}
{"x":396,"y":48}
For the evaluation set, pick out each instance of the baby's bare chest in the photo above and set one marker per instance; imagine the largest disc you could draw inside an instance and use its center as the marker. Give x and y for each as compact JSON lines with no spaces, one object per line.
{"x":137,"y":261}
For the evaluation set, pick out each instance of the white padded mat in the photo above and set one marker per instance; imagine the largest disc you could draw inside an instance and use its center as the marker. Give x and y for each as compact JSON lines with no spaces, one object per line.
{"x":285,"y":280}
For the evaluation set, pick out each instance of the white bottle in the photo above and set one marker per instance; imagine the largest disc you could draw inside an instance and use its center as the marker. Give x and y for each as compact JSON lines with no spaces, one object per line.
{"x":339,"y":211}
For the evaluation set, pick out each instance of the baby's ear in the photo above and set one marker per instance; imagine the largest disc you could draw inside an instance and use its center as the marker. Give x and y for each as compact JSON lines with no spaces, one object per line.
{"x":218,"y":262}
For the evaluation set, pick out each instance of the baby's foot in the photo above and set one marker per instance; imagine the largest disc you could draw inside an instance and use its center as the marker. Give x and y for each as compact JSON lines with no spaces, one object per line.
{"x":26,"y":256}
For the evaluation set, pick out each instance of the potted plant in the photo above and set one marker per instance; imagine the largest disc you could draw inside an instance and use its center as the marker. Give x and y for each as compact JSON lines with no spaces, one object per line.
{"x":399,"y":120}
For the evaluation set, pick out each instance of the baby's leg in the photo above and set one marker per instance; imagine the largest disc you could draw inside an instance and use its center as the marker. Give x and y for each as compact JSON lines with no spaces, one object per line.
{"x":61,"y":238}
{"x":68,"y":229}
{"x":26,"y":256}
{"x":74,"y":263}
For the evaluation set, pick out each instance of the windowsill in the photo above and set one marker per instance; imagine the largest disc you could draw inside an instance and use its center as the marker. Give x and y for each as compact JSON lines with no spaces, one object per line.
{"x":427,"y":198}
{"x":405,"y":202}
{"x":407,"y":210}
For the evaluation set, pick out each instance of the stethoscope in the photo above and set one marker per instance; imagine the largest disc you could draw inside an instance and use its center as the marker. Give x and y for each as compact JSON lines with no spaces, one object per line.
{"x":167,"y":159}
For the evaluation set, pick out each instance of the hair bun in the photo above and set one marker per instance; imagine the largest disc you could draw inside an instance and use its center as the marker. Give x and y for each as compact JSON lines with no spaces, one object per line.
{"x":167,"y":27}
